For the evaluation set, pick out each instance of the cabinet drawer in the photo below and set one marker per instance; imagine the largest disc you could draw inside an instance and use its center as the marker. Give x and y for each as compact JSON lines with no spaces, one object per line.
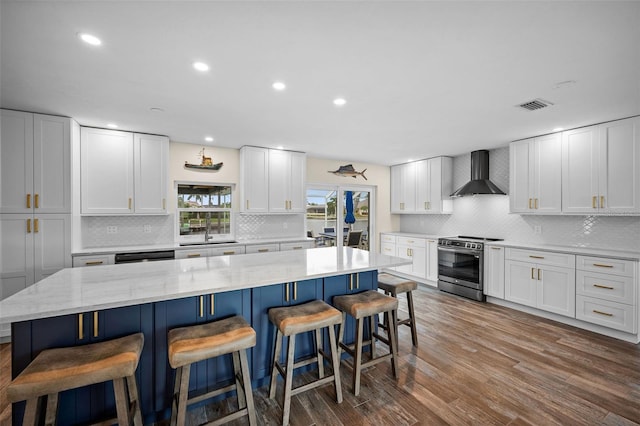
{"x":386,"y":238}
{"x":541,"y":257}
{"x":106,"y":259}
{"x":605,"y":265}
{"x":608,"y":314}
{"x":262,"y":248}
{"x":227,"y":251}
{"x":411,"y":242}
{"x":606,"y":286}
{"x":191,"y":254}
{"x":297,"y":246}
{"x":388,"y":249}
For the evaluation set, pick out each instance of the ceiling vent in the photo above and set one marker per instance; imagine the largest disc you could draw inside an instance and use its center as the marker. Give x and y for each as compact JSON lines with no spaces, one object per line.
{"x":535,"y":104}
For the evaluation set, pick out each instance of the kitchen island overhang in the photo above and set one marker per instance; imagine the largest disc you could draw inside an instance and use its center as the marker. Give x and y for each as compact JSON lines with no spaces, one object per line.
{"x":84,"y":305}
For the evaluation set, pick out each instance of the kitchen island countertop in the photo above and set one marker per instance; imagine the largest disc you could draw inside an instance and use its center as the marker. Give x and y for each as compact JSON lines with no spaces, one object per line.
{"x":76,"y":290}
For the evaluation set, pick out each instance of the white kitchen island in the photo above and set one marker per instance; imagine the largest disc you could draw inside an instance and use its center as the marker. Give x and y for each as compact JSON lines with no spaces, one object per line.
{"x":86,"y":305}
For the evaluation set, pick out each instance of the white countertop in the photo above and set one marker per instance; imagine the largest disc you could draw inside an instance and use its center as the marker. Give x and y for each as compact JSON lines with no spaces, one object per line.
{"x":76,"y":290}
{"x":177,"y":246}
{"x":412,"y":235}
{"x":587,"y":251}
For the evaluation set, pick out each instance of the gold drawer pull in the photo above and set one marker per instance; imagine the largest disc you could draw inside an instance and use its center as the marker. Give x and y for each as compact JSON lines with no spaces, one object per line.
{"x":228,"y":252}
{"x":530,"y":200}
{"x":295,"y":290}
{"x":263,"y":250}
{"x":601,"y":201}
{"x":600,"y":265}
{"x":357,"y":280}
{"x":536,"y":257}
{"x":350,"y":281}
{"x":286,"y":292}
{"x":606,"y":314}
{"x":130,"y":201}
{"x":213,"y":305}
{"x":193,"y":255}
{"x":80,"y":326}
{"x":36,"y":201}
{"x":93,"y":262}
{"x":201,"y":306}
{"x":297,"y":248}
{"x":28,"y":201}
{"x":535,"y":202}
{"x":496,"y":248}
{"x":603,"y":286}
{"x":95,"y":323}
{"x":594,"y":202}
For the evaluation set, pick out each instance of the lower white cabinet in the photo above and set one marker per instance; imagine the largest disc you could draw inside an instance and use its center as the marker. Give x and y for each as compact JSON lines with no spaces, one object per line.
{"x":192,"y":253}
{"x":93,"y":260}
{"x":432,"y":259}
{"x":422,"y":251}
{"x":262,"y":248}
{"x":539,"y":283}
{"x":297,"y":245}
{"x":494,"y":271}
{"x":227,"y":251}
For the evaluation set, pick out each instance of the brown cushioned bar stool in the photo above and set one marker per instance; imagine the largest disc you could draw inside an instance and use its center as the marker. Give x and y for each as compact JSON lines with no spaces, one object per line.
{"x":393,"y":285}
{"x":60,"y":369}
{"x":188,"y":345}
{"x":293,"y":320}
{"x":364,"y":305}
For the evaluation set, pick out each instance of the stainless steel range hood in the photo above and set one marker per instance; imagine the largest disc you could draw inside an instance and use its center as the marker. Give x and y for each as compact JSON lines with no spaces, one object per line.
{"x":479,"y":183}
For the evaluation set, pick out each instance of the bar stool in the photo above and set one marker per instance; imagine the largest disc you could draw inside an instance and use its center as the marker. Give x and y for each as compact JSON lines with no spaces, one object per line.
{"x":393,"y":285}
{"x":293,"y":320}
{"x":60,"y":369}
{"x":360,"y":306}
{"x":188,"y":345}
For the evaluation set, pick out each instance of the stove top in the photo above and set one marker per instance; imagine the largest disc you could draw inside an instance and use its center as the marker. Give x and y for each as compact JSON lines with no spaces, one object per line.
{"x":466,"y":241}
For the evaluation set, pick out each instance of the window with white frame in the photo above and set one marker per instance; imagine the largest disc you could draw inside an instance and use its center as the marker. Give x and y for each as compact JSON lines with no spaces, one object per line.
{"x":204,"y":212}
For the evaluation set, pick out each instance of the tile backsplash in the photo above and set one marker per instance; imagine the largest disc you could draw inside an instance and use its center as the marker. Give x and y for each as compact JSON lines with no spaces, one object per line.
{"x":488,"y":215}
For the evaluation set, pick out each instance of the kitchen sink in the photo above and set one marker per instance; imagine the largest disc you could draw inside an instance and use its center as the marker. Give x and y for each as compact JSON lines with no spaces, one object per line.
{"x":207,"y":243}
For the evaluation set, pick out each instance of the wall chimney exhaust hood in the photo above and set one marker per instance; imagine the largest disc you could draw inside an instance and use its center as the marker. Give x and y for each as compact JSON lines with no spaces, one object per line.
{"x":480,"y":183}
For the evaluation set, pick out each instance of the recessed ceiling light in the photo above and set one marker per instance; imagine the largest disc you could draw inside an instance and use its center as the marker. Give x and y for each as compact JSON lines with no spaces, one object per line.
{"x":112,"y":125}
{"x":279,"y":147}
{"x":279,"y":86}
{"x":91,"y":39}
{"x":156,"y":109}
{"x":208,"y":139}
{"x":558,"y":129}
{"x":201,"y":66}
{"x":339,"y":101}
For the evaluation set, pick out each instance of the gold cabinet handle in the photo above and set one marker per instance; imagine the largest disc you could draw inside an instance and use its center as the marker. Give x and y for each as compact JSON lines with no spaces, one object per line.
{"x":80,"y":326}
{"x":28,"y":226}
{"x":602,"y":313}
{"x":130,"y":201}
{"x":425,"y":206}
{"x":95,"y":323}
{"x":350,"y":281}
{"x":247,"y":203}
{"x":297,"y":248}
{"x":539,"y":278}
{"x":530,"y":200}
{"x":286,"y":292}
{"x":263,"y":250}
{"x":535,"y":203}
{"x":357,"y":281}
{"x":601,"y":201}
{"x":201,"y":306}
{"x":28,"y":201}
{"x":193,"y":255}
{"x":228,"y":252}
{"x":36,"y":200}
{"x":428,"y":205}
{"x":164,"y":204}
{"x":600,"y":265}
{"x":536,"y":257}
{"x":532,"y":277}
{"x":93,"y":262}
{"x":35,"y":225}
{"x":603,"y":286}
{"x":212,"y":308}
{"x":496,"y":248}
{"x":401,"y":206}
{"x":295,"y":290}
{"x":594,"y":202}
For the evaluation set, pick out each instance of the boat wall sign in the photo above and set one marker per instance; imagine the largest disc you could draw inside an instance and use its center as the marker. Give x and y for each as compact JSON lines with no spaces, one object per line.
{"x":205,"y":163}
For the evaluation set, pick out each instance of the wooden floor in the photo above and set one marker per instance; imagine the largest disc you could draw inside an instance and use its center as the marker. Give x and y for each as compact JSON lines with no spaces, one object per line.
{"x":477,"y":364}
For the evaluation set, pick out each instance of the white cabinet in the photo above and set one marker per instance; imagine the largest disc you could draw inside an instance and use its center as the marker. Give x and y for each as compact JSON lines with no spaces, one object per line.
{"x":299,"y":245}
{"x":93,"y":260}
{"x":422,"y":186}
{"x":272,"y":181}
{"x":432,"y":260}
{"x":535,"y":173}
{"x":193,"y":253}
{"x":416,"y":250}
{"x":35,"y":163}
{"x":601,"y":168}
{"x":262,"y":248}
{"x":122,"y":173}
{"x":33,"y":247}
{"x":494,"y":271}
{"x":226,"y":251}
{"x":543,"y":280}
{"x":606,"y":292}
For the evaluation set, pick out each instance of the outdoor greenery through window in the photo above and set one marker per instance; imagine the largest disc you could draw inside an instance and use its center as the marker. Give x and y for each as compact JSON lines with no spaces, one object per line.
{"x":204,"y":212}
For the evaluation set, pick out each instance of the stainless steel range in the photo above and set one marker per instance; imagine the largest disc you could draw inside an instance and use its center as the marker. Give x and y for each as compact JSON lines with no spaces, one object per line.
{"x":461,"y":266}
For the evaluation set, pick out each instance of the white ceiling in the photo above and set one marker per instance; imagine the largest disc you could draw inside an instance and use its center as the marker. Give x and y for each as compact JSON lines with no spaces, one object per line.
{"x":421,"y":78}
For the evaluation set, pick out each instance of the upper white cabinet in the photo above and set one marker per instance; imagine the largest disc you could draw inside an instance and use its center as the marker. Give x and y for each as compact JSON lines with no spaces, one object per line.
{"x":601,"y":168}
{"x":272,"y":180}
{"x":122,"y":173}
{"x":535,"y":173}
{"x":422,"y":186}
{"x":35,"y":163}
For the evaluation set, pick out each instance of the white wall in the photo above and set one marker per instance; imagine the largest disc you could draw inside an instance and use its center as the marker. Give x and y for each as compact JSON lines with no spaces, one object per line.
{"x":488,"y":215}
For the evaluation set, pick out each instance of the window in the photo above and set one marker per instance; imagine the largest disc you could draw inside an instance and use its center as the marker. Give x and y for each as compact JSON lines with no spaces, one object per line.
{"x":204,"y":212}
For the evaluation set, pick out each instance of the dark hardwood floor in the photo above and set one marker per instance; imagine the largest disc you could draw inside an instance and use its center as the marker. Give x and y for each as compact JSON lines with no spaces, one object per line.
{"x":477,"y":364}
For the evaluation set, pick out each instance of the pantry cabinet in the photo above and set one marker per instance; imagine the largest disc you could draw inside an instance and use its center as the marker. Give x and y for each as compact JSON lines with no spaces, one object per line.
{"x":122,"y":173}
{"x":601,"y":168}
{"x":272,"y":180}
{"x":35,"y":163}
{"x":535,"y":175}
{"x":422,"y":186}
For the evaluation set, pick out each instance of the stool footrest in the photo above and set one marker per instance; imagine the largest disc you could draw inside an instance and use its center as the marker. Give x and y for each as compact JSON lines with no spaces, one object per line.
{"x":229,"y":417}
{"x":351,"y":348}
{"x":314,"y":384}
{"x":211,"y":394}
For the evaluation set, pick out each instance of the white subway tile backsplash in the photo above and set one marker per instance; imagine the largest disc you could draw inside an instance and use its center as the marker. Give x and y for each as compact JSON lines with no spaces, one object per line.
{"x":110,"y":231}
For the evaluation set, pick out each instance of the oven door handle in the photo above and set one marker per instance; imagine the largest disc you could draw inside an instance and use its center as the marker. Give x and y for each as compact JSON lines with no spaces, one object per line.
{"x":461,"y":250}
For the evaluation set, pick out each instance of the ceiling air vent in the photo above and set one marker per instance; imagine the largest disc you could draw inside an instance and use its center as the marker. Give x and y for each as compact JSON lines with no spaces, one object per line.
{"x":535,"y":104}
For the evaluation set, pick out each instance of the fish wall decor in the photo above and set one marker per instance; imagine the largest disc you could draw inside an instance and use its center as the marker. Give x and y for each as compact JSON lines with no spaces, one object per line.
{"x":348,"y":170}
